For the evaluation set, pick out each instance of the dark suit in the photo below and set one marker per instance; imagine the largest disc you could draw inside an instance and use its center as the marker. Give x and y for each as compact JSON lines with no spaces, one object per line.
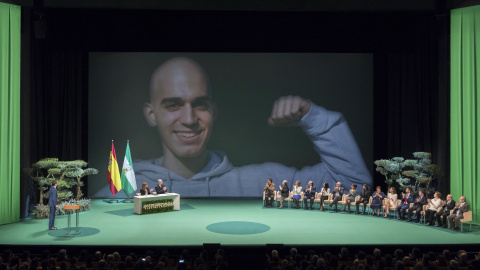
{"x":364,"y":198}
{"x":159,"y":189}
{"x":418,"y":207}
{"x":309,"y":194}
{"x":52,"y":203}
{"x":143,"y":192}
{"x":445,"y":212}
{"x":337,"y":196}
{"x":406,"y":201}
{"x":457,"y":215}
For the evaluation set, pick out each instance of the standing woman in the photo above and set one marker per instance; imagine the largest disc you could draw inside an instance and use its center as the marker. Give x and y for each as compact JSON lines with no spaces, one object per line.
{"x":144,"y":190}
{"x":391,"y":201}
{"x":284,"y":192}
{"x":324,"y":194}
{"x":351,"y":197}
{"x":378,"y":197}
{"x":297,"y":190}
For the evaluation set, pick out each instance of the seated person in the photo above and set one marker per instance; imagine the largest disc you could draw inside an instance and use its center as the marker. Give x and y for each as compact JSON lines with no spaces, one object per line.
{"x":337,"y":195}
{"x":447,"y":205}
{"x":324,"y":194}
{"x":417,"y":206}
{"x":377,"y":198}
{"x":364,"y":198}
{"x":160,"y":188}
{"x":269,"y":190}
{"x":434,"y":205}
{"x":297,"y":190}
{"x":391,"y":201}
{"x":284,"y":192}
{"x":407,"y":199}
{"x":309,"y":194}
{"x":144,"y":190}
{"x":460,"y":208}
{"x":351,"y":197}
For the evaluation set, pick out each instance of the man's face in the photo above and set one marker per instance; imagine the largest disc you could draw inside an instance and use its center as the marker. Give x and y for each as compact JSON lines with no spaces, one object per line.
{"x":420,"y":194}
{"x":182,"y":110}
{"x":449,"y":197}
{"x":339,"y":184}
{"x":160,"y":182}
{"x":310,"y":183}
{"x":462,"y":199}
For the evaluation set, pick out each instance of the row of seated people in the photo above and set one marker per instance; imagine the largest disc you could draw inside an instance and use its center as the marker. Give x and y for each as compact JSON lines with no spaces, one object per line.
{"x":101,"y":261}
{"x":434,"y":209}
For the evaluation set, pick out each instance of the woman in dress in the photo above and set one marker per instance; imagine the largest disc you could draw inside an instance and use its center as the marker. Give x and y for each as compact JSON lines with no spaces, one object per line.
{"x":284,"y":192}
{"x":434,"y":205}
{"x":391,"y":201}
{"x":351,"y":197}
{"x":324,"y":194}
{"x":297,"y":190}
{"x":376,"y":204}
{"x":144,"y":190}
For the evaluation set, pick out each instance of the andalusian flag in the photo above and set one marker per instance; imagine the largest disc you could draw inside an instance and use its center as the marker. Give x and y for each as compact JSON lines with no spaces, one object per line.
{"x":113,"y":173}
{"x":129,"y":183}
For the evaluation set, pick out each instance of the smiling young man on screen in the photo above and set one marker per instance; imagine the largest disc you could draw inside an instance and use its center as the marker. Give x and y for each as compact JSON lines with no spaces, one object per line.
{"x":182,"y":110}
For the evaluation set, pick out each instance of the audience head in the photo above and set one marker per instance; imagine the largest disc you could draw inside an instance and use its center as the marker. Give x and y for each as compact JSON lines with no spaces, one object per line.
{"x":339,"y":184}
{"x":379,"y":189}
{"x":354,"y":186}
{"x":144,"y":185}
{"x":408,"y":190}
{"x":449,"y":197}
{"x":270,"y":180}
{"x":437,"y":195}
{"x":284,"y":183}
{"x":298,"y":184}
{"x":325,"y":185}
{"x":393,"y":190}
{"x":310,"y":183}
{"x":463,"y":199}
{"x":420,"y":193}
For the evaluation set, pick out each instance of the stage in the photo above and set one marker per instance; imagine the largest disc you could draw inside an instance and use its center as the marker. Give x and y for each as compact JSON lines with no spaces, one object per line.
{"x":228,"y":222}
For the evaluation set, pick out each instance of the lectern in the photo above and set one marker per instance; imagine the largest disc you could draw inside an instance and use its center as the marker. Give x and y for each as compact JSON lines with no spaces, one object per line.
{"x":71,"y":208}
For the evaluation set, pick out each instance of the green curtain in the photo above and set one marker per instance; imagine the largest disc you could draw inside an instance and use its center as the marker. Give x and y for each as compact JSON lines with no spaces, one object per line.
{"x":9,"y":113}
{"x":465,"y":110}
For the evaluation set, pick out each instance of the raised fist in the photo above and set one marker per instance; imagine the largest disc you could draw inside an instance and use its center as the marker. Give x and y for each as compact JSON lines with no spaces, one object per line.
{"x":288,"y":111}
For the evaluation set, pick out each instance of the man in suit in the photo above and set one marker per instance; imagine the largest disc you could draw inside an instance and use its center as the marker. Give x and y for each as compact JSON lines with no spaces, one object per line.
{"x":447,"y":205}
{"x":52,"y":203}
{"x":407,"y":199}
{"x":364,"y":198}
{"x":309,"y":194}
{"x":417,"y":206}
{"x":457,"y":214}
{"x":160,"y":188}
{"x":337,"y":195}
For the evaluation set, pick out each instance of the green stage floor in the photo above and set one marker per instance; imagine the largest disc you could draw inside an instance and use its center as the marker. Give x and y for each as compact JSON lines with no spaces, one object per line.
{"x":228,"y":222}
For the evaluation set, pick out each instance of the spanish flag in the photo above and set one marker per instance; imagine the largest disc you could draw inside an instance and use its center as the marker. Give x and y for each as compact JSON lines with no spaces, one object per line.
{"x":113,"y":173}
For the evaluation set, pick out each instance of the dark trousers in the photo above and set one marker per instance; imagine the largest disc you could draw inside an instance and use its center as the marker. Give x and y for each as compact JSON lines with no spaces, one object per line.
{"x":364,"y":201}
{"x":269,"y":199}
{"x":429,"y":214}
{"x":401,"y":210}
{"x":417,"y":208}
{"x":51,"y":217}
{"x":305,"y":199}
{"x":336,"y":198}
{"x":442,"y":214}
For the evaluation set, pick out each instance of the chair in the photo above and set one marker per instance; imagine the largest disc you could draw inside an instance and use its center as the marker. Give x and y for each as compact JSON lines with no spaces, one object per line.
{"x":289,"y":198}
{"x":467,"y":217}
{"x":422,"y":214}
{"x":368,"y":205}
{"x":328,"y":200}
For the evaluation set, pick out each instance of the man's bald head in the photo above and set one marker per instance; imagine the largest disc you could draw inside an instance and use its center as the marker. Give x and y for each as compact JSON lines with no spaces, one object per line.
{"x":178,"y":72}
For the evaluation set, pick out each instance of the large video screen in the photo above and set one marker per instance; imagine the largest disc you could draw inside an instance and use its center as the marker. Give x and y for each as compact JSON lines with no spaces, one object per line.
{"x":221,"y":124}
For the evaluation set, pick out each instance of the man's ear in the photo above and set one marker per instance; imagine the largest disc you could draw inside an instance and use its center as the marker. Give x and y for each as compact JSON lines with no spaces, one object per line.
{"x":149,"y":114}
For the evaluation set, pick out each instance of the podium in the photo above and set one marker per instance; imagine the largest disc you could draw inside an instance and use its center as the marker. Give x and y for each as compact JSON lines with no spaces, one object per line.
{"x":71,"y":208}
